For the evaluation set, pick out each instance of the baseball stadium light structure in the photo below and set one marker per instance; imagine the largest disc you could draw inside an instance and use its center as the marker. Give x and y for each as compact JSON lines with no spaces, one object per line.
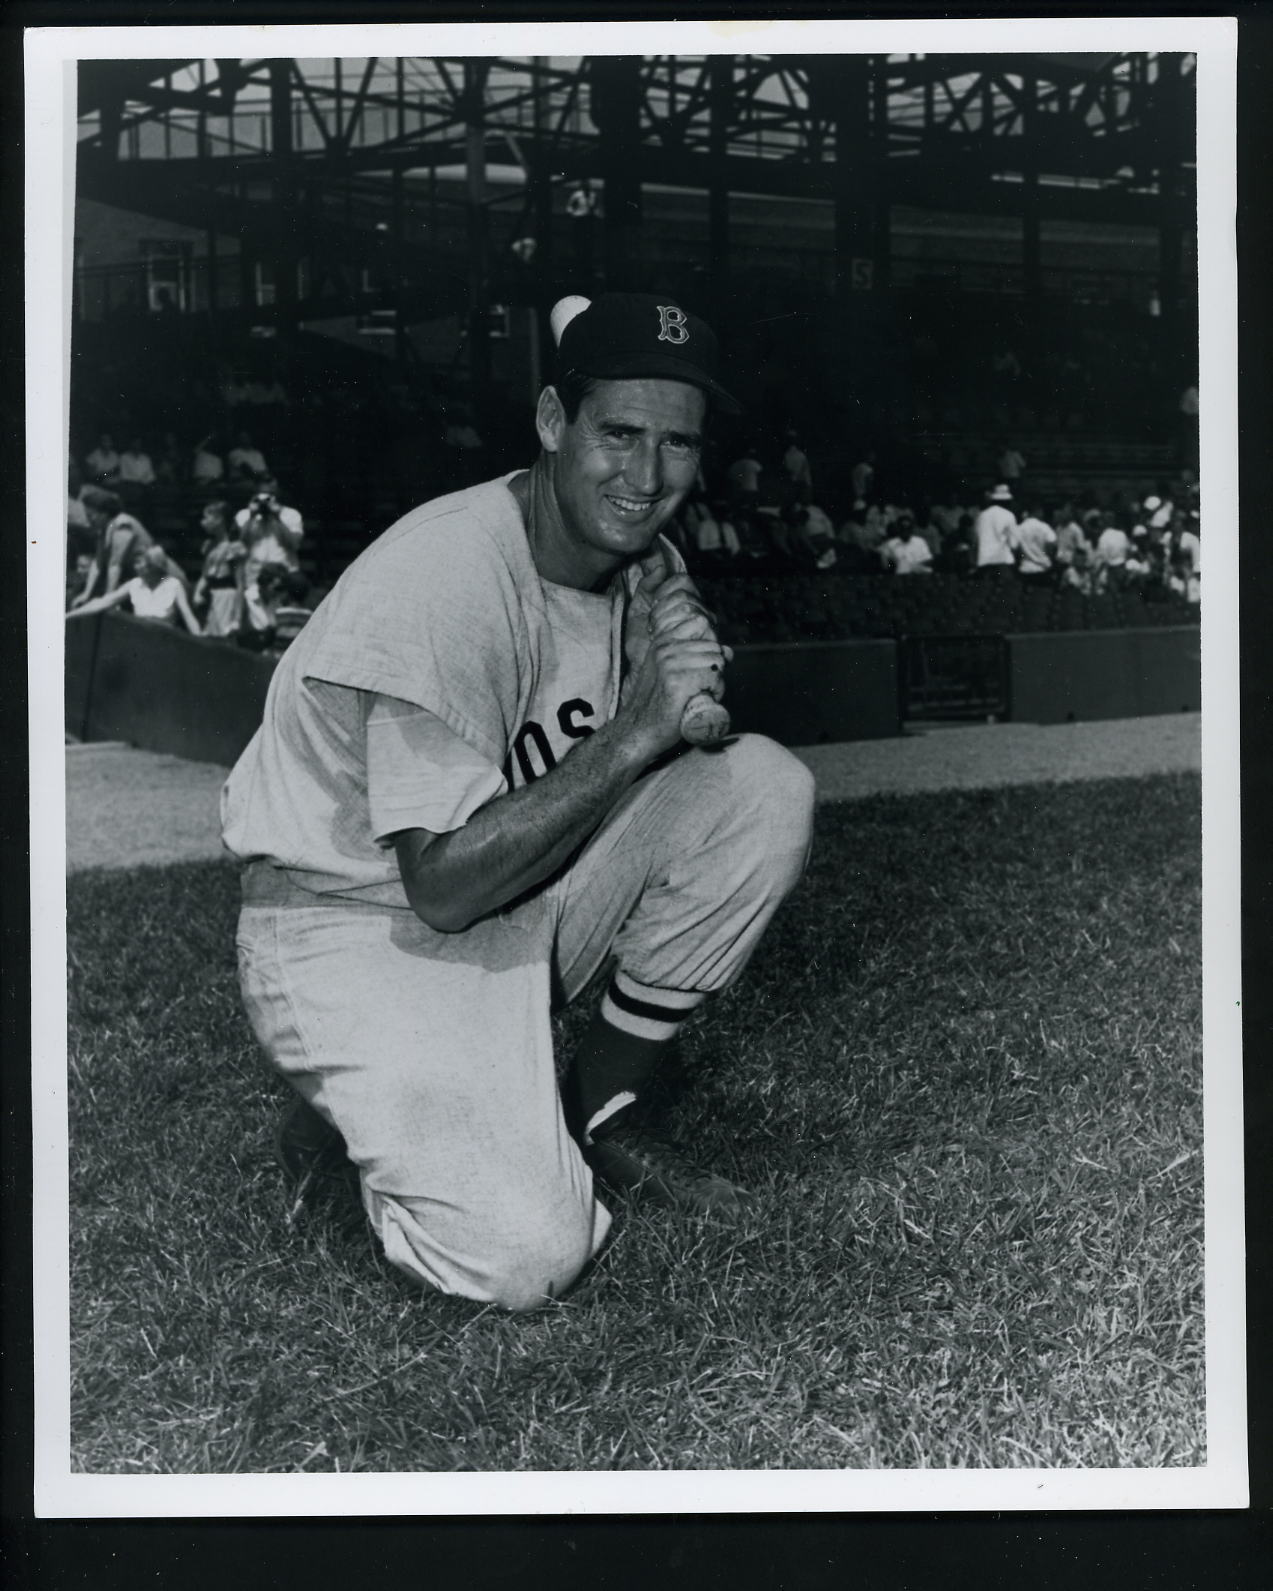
{"x":345,"y":174}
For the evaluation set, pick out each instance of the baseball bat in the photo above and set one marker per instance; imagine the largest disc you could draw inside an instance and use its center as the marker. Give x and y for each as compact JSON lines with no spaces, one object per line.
{"x":704,"y":720}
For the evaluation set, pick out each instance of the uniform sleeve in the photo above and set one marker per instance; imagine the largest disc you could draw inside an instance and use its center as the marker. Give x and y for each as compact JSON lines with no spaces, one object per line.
{"x":420,"y":773}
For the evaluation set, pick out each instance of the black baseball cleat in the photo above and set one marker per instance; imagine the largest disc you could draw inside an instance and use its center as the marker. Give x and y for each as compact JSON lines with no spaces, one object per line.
{"x":629,"y":1160}
{"x":308,"y":1147}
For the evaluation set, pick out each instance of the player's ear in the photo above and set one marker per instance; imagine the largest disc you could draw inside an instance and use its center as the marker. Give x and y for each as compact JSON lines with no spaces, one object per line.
{"x":550,"y":420}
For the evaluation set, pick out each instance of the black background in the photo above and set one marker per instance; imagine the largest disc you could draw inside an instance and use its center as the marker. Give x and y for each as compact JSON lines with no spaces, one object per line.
{"x":1174,"y":1551}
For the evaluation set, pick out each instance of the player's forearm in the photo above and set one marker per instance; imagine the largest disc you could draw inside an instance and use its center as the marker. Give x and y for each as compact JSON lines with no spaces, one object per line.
{"x":521,"y":839}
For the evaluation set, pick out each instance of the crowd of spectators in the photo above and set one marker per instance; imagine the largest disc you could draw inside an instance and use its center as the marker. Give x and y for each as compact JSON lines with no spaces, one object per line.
{"x":767,"y":504}
{"x":764,"y":512}
{"x":249,"y":589}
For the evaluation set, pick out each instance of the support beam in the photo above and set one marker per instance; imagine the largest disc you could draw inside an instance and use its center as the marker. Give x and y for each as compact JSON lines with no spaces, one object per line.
{"x":1171,"y":120}
{"x":720,"y":97}
{"x":1031,"y":244}
{"x":616,"y":109}
{"x":475,"y":73}
{"x":843,"y":87}
{"x":284,"y":217}
{"x":881,"y":216}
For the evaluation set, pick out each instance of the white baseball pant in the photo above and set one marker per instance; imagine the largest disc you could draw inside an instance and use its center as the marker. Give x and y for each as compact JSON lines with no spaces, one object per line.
{"x":432,"y":1053}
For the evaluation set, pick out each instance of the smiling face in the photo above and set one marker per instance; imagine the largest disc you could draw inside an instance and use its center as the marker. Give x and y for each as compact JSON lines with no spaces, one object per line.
{"x":616,"y":474}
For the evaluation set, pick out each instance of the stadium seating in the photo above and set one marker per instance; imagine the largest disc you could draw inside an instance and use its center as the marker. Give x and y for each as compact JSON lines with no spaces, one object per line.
{"x":831,"y":607}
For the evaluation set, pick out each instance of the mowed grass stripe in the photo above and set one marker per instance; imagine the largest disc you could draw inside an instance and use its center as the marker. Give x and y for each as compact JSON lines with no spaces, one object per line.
{"x":963,"y":1074}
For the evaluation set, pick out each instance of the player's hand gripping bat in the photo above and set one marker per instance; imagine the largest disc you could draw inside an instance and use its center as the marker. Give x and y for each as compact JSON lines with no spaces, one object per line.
{"x":703,"y":721}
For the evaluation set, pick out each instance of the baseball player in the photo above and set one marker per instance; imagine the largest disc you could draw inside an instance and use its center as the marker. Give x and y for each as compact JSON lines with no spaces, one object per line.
{"x":471,"y":795}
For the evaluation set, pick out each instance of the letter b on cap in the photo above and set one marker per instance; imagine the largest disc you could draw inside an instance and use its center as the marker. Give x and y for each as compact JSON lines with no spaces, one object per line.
{"x":672,"y":327}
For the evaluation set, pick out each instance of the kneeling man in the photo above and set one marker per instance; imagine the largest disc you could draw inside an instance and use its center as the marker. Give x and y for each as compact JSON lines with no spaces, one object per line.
{"x":470,"y":795}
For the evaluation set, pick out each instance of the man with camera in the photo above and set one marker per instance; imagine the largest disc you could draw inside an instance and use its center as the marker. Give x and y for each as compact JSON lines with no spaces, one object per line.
{"x":272,"y":533}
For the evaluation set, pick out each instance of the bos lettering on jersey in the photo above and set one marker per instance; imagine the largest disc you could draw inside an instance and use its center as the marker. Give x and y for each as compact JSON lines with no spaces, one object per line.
{"x":532,"y":752}
{"x":576,"y":644}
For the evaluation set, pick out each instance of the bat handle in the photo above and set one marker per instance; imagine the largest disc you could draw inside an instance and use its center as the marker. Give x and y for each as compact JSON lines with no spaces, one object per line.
{"x":704,"y":720}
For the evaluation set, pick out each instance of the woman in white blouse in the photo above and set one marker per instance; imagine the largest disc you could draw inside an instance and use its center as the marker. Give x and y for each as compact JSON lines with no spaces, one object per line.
{"x":153,"y":593}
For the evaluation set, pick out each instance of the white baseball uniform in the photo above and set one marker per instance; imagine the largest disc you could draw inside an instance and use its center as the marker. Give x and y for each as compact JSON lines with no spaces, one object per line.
{"x":441,"y":672}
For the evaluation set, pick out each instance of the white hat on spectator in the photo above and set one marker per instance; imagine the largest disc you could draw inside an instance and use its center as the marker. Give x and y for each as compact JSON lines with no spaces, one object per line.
{"x":1001,"y":493}
{"x":1151,"y":503}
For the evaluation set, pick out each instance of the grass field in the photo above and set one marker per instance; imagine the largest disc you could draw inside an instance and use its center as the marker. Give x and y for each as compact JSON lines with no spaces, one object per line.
{"x":963,"y":1074}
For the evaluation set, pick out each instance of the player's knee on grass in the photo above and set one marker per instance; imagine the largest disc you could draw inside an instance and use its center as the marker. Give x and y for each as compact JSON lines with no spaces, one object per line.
{"x":519,"y":1258}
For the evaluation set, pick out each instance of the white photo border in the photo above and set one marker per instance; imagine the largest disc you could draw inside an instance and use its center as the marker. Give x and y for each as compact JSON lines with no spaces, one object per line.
{"x":51,"y":59}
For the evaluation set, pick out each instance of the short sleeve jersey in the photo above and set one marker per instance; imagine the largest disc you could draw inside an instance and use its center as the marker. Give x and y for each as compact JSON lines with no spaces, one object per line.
{"x":439,"y":673}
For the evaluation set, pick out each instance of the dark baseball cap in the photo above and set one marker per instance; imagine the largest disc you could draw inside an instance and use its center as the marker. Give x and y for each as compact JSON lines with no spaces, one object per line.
{"x":622,"y":336}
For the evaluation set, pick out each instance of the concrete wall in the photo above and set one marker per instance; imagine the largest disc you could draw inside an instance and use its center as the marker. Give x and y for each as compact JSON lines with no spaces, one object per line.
{"x":156,"y":687}
{"x":128,"y":679}
{"x":803,"y":694}
{"x":164,"y":690}
{"x":1079,"y":676}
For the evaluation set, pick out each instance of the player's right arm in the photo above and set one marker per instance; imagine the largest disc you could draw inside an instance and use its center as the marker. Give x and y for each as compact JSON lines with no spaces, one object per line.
{"x":518,"y":840}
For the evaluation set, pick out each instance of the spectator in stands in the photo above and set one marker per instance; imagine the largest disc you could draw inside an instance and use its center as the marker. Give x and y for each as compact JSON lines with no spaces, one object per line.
{"x":995,"y":535}
{"x":102,"y":463}
{"x":767,"y":511}
{"x":862,"y":476}
{"x":77,"y":568}
{"x":272,"y":533}
{"x":118,"y":537}
{"x":284,"y":597}
{"x":713,"y":537}
{"x":152,"y":593}
{"x":945,"y":518}
{"x":169,"y":466}
{"x":1113,"y":547}
{"x":220,"y":583}
{"x":1159,"y":508}
{"x":820,"y":526}
{"x":798,"y":544}
{"x":1188,"y":444}
{"x":1011,"y":466}
{"x":463,"y":448}
{"x":461,"y":433}
{"x":234,"y":390}
{"x":208,"y":466}
{"x":135,"y":465}
{"x":1076,"y":574}
{"x":76,"y":513}
{"x":960,"y":552}
{"x":1187,"y":549}
{"x":906,"y":552}
{"x":795,"y":462}
{"x":924,"y":525}
{"x":1037,"y":544}
{"x":861,"y":542}
{"x":744,"y":481}
{"x":246,"y":461}
{"x":1069,"y":537}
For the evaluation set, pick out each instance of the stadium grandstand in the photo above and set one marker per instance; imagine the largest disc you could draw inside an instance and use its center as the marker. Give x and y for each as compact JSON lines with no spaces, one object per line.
{"x":935,"y":278}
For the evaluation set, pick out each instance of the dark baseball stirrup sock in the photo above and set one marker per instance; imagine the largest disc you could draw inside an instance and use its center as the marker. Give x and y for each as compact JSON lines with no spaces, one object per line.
{"x":620,"y":1049}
